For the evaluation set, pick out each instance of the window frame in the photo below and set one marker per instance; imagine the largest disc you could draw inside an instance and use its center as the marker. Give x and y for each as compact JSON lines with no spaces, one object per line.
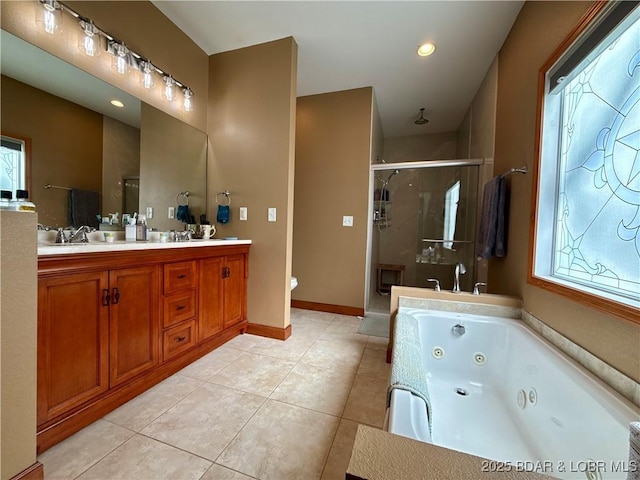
{"x":27,"y":158}
{"x":612,"y":307}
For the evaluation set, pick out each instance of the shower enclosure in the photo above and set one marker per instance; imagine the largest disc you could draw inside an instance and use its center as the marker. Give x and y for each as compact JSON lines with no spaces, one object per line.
{"x":423,"y":225}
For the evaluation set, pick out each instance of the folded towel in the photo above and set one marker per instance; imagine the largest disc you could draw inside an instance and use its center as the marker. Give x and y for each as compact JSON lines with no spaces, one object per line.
{"x":84,"y":206}
{"x":634,"y":451}
{"x":493,"y":229}
{"x":223,"y":214}
{"x":407,"y":371}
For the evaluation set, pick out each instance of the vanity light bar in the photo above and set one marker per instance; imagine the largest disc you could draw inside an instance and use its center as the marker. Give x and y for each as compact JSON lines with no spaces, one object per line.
{"x":112,"y":44}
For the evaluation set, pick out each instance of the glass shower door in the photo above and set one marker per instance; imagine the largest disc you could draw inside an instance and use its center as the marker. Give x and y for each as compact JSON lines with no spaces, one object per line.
{"x":428,"y":226}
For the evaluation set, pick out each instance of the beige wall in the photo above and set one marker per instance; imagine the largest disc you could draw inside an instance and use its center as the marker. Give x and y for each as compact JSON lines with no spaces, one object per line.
{"x":17,"y":342}
{"x":120,"y":158}
{"x":143,"y":27}
{"x":172,"y":155}
{"x":476,"y":139}
{"x":538,"y":30}
{"x":333,"y":153}
{"x":252,"y":133}
{"x":66,"y":146}
{"x":433,"y":146}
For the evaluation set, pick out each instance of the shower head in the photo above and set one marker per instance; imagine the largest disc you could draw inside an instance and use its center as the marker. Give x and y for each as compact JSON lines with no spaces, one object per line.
{"x":421,"y":120}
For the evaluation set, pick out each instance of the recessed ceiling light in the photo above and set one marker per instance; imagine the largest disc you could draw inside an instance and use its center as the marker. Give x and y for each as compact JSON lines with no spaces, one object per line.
{"x":117,"y":103}
{"x":426,"y":49}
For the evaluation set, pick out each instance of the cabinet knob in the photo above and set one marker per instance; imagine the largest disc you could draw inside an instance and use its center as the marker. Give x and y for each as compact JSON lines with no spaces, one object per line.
{"x":181,"y":339}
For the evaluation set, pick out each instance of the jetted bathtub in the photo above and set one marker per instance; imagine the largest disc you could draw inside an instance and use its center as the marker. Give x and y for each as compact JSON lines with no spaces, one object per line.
{"x":501,"y":392}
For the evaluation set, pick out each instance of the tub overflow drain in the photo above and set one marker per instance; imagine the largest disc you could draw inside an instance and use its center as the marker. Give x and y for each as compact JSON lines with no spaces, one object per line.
{"x":437,"y":352}
{"x":462,"y":392}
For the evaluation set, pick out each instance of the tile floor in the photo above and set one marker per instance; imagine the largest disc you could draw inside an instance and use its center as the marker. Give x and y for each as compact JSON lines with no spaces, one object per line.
{"x":253,"y":408}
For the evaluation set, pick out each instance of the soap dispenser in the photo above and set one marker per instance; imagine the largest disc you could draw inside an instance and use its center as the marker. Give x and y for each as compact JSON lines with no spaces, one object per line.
{"x":141,"y":228}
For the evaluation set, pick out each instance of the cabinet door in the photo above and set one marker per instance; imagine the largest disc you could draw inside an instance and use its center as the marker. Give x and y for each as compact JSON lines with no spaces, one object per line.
{"x":73,"y":335}
{"x":134,"y":322}
{"x":234,"y":290}
{"x":210,"y":297}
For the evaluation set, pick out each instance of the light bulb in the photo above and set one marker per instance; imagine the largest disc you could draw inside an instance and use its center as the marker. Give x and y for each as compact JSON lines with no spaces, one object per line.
{"x":147,"y":72}
{"x":120,"y":60}
{"x":90,"y":41}
{"x":50,"y":17}
{"x":169,"y":88}
{"x":187,"y":106}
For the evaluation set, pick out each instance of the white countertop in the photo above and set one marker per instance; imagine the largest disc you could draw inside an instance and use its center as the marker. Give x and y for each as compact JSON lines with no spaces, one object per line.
{"x":49,"y":248}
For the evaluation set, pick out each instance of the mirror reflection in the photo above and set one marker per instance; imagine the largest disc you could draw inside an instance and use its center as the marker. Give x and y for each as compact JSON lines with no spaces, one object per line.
{"x":87,"y":158}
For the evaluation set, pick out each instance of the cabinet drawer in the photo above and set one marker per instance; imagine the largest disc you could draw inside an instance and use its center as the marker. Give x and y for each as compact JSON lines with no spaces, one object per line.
{"x":178,"y":339}
{"x":179,"y":276}
{"x":179,"y":307}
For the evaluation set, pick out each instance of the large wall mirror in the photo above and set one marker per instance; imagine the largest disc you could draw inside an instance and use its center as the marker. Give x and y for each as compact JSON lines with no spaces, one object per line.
{"x":115,"y":159}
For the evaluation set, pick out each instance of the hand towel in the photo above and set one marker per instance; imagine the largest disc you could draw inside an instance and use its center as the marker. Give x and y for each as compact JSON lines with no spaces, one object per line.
{"x":84,"y":206}
{"x":492,"y":236}
{"x":223,"y":214}
{"x":183,"y":213}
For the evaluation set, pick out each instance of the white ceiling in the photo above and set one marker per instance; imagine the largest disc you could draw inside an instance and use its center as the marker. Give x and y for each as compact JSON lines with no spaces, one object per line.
{"x":351,"y":44}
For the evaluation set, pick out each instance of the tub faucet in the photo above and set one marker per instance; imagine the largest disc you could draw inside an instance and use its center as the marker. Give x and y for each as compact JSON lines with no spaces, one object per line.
{"x":460,"y":270}
{"x":458,"y":330}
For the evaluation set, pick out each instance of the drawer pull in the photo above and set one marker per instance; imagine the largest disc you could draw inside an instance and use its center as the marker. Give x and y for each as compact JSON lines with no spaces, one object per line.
{"x":181,"y":339}
{"x":181,"y":276}
{"x":106,"y":297}
{"x":181,"y":307}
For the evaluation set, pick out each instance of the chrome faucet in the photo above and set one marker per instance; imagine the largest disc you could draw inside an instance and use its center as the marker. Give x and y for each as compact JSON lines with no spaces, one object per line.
{"x":460,"y":270}
{"x":80,"y":235}
{"x":183,"y":236}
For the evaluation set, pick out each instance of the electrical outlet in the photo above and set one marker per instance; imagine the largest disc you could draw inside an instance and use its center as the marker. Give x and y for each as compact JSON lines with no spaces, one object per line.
{"x":171,"y":213}
{"x":149,"y":213}
{"x":272,"y":214}
{"x":243,"y":213}
{"x":347,"y":221}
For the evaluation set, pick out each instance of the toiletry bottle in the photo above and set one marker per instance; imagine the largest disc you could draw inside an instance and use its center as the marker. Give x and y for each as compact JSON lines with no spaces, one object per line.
{"x":130,"y":230}
{"x":5,"y":200}
{"x":141,"y":228}
{"x":22,"y":203}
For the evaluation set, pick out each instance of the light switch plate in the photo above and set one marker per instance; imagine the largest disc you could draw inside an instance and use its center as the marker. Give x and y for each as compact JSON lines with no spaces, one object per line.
{"x":272,"y":214}
{"x":243,"y":213}
{"x":171,"y":213}
{"x":149,"y":213}
{"x":347,"y":221}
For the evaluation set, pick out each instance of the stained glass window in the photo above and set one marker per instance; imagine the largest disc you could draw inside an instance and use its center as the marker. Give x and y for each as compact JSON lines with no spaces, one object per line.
{"x":589,"y":235}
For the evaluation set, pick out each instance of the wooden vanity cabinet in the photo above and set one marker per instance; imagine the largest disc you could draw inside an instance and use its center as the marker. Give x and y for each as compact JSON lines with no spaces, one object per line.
{"x":113,"y":324}
{"x":134,"y":322}
{"x":222,"y":290}
{"x":73,"y":342}
{"x":95,"y":331}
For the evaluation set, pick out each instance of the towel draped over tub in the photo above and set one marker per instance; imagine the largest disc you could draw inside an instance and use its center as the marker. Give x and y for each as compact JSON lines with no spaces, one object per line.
{"x":634,"y":451}
{"x":407,"y":370}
